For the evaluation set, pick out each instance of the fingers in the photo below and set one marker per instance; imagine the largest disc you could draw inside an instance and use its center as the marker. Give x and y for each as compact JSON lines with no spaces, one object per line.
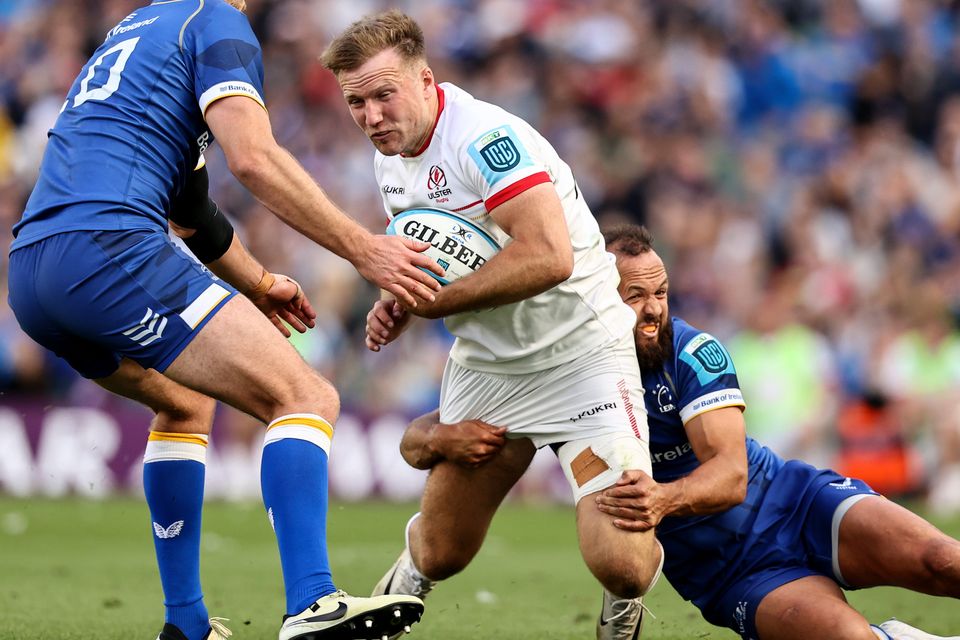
{"x":630,"y":476}
{"x":371,"y":344}
{"x":293,"y":319}
{"x":421,"y":260}
{"x":401,"y":295}
{"x":632,"y":525}
{"x":379,"y":324}
{"x":282,"y":328}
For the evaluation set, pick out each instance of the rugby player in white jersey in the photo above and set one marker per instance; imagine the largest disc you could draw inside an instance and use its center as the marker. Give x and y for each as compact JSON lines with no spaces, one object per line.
{"x":543,"y":342}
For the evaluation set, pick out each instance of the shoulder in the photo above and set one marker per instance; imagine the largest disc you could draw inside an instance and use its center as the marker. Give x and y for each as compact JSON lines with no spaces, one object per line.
{"x":700,"y":350}
{"x":213,"y":20}
{"x":469,"y":120}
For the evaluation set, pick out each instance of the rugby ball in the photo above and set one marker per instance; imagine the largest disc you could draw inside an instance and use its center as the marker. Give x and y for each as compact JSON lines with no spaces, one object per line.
{"x":457,"y":244}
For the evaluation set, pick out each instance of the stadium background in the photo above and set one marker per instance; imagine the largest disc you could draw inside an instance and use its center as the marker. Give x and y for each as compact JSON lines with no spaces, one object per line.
{"x":798,"y":162}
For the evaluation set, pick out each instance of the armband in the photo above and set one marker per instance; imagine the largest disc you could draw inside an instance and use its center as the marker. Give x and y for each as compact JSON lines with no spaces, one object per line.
{"x":193,"y":209}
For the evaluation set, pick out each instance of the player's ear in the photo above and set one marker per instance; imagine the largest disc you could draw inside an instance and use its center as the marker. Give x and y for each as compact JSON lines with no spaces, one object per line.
{"x":426,"y":77}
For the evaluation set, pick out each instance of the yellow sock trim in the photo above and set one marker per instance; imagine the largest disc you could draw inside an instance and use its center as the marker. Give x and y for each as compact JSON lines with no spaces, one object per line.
{"x":303,"y":421}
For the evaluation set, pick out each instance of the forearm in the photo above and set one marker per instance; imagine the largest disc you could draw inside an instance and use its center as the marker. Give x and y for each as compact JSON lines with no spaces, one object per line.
{"x":238,"y":267}
{"x":712,"y":487}
{"x":518,"y":272}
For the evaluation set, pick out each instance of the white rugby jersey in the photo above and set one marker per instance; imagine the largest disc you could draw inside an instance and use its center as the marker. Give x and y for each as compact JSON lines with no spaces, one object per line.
{"x":478,"y":157}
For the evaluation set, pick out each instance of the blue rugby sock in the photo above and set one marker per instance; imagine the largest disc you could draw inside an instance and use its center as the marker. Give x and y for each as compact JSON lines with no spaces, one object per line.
{"x":293,"y":480}
{"x":173,"y":475}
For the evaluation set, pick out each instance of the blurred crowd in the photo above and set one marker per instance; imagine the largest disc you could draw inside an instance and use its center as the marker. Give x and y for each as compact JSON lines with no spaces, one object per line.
{"x":798,"y":162}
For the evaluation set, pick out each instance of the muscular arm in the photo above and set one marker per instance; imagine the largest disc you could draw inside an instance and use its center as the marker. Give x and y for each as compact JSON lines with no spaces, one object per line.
{"x":639,"y":503}
{"x":539,"y":257}
{"x":275,"y":178}
{"x":470,"y":443}
{"x":720,"y":482}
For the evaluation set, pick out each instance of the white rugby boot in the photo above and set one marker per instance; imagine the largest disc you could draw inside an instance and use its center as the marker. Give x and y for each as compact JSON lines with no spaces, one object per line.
{"x":620,"y":619}
{"x":403,"y":577}
{"x":218,"y":631}
{"x":902,"y":631}
{"x":338,"y":616}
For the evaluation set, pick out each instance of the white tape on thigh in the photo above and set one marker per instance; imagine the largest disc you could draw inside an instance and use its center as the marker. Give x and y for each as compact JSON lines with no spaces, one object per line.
{"x":593,"y":464}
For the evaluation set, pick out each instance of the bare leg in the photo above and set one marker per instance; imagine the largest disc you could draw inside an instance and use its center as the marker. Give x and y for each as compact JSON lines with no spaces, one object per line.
{"x":177,"y":408}
{"x":811,"y":607}
{"x":173,"y":479}
{"x":625,"y":562}
{"x":240,"y":358}
{"x":881,"y":543}
{"x":457,"y":507}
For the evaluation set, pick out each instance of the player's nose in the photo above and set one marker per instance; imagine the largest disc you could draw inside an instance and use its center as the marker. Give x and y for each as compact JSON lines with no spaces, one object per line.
{"x":372,"y":114}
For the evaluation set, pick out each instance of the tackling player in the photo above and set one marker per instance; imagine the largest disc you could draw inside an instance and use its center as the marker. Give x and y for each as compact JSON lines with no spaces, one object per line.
{"x":94,"y":277}
{"x":543,"y":341}
{"x":761,"y":545}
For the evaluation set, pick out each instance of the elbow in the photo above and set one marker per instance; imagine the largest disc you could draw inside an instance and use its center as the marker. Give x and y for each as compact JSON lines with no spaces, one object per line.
{"x":738,"y":488}
{"x":410,"y":456}
{"x":559,"y":268}
{"x":248,"y":166}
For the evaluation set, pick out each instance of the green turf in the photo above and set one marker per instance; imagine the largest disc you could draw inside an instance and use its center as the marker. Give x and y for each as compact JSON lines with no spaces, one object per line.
{"x":72,"y":570}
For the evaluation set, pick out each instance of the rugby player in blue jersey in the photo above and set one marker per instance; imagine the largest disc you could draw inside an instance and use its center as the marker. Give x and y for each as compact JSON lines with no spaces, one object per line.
{"x":761,"y":545}
{"x":94,"y":277}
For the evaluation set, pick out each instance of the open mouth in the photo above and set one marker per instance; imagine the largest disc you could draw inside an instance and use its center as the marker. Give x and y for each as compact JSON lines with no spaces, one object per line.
{"x":649,"y":329}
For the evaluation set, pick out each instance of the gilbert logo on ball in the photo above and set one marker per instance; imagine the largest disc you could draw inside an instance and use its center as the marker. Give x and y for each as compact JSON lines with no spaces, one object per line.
{"x":457,"y":244}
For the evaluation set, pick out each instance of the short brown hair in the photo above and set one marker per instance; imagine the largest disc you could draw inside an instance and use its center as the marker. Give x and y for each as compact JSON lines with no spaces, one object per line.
{"x":628,"y":239}
{"x":370,"y":35}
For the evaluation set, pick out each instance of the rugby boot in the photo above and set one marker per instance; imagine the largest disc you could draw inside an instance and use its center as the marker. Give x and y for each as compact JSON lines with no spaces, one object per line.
{"x":902,"y":631}
{"x":218,"y":631}
{"x":620,"y":618}
{"x":403,"y":577}
{"x":338,"y":616}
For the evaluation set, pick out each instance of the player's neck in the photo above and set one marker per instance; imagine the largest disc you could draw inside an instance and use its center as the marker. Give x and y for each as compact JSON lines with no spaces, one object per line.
{"x":434,"y":107}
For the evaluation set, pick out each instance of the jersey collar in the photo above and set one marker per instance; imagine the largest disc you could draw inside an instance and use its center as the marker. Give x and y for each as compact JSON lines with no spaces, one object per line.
{"x":426,"y":143}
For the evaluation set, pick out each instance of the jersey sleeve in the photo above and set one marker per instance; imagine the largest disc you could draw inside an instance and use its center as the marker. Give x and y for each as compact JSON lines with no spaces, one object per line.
{"x":227,"y":56}
{"x":501,"y":161}
{"x":706,"y":378}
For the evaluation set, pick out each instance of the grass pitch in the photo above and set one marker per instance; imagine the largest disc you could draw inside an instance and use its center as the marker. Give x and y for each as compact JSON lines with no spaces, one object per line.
{"x":72,"y":570}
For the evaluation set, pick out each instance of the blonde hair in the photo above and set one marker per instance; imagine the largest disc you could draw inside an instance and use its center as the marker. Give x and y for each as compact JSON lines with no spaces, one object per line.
{"x":370,"y":35}
{"x":240,"y":5}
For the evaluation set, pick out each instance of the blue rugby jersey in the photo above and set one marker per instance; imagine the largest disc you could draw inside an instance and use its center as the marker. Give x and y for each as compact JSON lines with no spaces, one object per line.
{"x":132,"y":126}
{"x":698,"y":377}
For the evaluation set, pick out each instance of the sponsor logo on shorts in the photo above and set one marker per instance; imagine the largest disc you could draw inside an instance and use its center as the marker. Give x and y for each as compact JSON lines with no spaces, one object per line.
{"x":392,"y":191}
{"x":740,"y":617}
{"x":594,"y":411}
{"x":148,"y":330}
{"x":846,"y":485}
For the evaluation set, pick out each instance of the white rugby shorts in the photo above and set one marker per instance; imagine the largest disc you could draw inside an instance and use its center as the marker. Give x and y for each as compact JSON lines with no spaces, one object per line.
{"x":593,"y":404}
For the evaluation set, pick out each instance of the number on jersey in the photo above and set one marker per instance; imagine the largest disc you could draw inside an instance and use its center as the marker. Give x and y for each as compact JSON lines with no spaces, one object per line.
{"x":106,"y":90}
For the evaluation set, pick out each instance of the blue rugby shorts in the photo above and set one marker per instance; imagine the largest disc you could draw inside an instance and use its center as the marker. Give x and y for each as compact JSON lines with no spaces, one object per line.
{"x":94,"y":297}
{"x":794,"y":536}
